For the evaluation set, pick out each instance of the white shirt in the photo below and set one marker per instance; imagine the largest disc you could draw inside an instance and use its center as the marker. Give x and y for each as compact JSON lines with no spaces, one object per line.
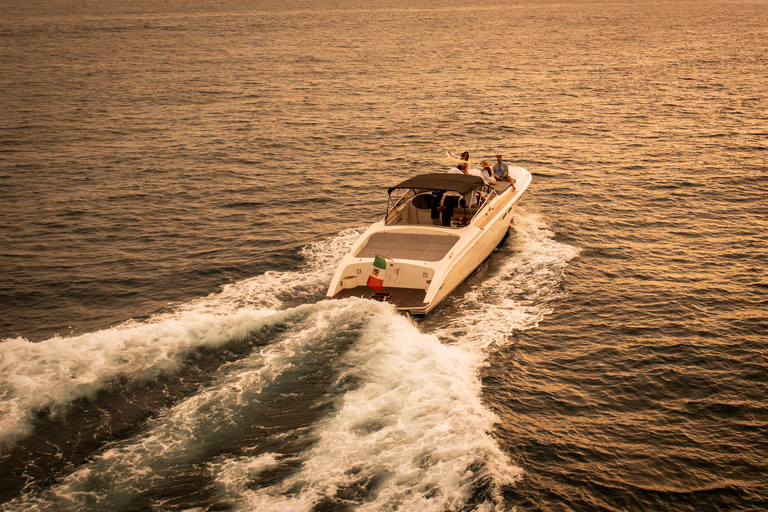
{"x":456,"y":157}
{"x":487,"y":178}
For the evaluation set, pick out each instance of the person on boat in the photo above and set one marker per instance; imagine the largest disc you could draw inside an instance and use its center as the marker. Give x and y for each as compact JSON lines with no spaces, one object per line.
{"x":484,"y":171}
{"x":449,"y":203}
{"x":462,"y":165}
{"x":436,"y":208}
{"x":501,"y":171}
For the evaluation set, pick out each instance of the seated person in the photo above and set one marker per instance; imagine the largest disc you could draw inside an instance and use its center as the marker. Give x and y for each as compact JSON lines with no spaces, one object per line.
{"x":501,"y":171}
{"x":484,"y":171}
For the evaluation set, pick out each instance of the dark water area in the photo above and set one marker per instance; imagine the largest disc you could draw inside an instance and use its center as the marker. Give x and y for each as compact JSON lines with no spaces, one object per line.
{"x":178,"y":182}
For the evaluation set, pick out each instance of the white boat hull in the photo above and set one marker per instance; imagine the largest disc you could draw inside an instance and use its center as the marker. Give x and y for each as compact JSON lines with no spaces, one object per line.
{"x":425,"y":263}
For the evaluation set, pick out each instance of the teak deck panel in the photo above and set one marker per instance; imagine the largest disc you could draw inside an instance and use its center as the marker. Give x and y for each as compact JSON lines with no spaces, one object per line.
{"x":408,"y":246}
{"x":401,"y":297}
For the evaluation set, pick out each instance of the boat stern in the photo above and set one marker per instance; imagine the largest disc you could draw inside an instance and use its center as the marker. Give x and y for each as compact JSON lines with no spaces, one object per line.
{"x":401,"y":283}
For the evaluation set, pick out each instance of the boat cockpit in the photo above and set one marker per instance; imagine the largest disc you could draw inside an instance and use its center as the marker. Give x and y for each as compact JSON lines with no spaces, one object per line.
{"x":449,"y":200}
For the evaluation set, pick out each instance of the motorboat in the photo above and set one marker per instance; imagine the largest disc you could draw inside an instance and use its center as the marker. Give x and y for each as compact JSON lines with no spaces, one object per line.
{"x":412,"y":259}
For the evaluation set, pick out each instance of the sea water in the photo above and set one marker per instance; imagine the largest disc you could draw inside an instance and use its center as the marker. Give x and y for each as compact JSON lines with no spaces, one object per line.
{"x":179,"y":181}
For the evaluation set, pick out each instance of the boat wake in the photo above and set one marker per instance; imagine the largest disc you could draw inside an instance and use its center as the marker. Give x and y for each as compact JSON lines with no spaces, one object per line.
{"x":329,"y":404}
{"x":513,"y":291}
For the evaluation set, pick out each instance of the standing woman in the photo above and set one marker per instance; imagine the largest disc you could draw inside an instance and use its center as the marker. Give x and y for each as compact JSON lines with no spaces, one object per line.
{"x":463,"y":161}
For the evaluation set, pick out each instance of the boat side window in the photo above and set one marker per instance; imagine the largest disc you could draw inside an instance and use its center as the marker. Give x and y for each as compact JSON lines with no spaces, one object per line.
{"x":423,"y":201}
{"x":409,"y":207}
{"x":422,"y":208}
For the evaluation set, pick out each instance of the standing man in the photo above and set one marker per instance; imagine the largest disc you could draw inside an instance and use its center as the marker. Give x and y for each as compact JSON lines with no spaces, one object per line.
{"x":501,"y":171}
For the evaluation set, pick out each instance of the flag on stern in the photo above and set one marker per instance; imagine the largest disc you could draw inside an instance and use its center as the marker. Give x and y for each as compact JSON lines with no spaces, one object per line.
{"x":375,"y":280}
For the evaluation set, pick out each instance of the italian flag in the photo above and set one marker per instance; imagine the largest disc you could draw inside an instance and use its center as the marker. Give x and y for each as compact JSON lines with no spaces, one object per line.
{"x":375,"y":280}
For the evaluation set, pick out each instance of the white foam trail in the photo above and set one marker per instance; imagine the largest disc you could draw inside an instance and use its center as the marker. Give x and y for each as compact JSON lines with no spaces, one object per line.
{"x":51,"y":374}
{"x":410,"y":434}
{"x":519,"y":293}
{"x":410,"y":431}
{"x":233,"y":402}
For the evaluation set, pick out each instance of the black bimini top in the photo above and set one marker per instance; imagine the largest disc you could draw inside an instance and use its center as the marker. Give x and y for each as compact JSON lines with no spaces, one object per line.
{"x":460,"y":183}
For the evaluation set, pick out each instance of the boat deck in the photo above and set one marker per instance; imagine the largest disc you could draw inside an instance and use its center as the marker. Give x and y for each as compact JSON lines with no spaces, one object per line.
{"x":399,"y":297}
{"x":408,"y":246}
